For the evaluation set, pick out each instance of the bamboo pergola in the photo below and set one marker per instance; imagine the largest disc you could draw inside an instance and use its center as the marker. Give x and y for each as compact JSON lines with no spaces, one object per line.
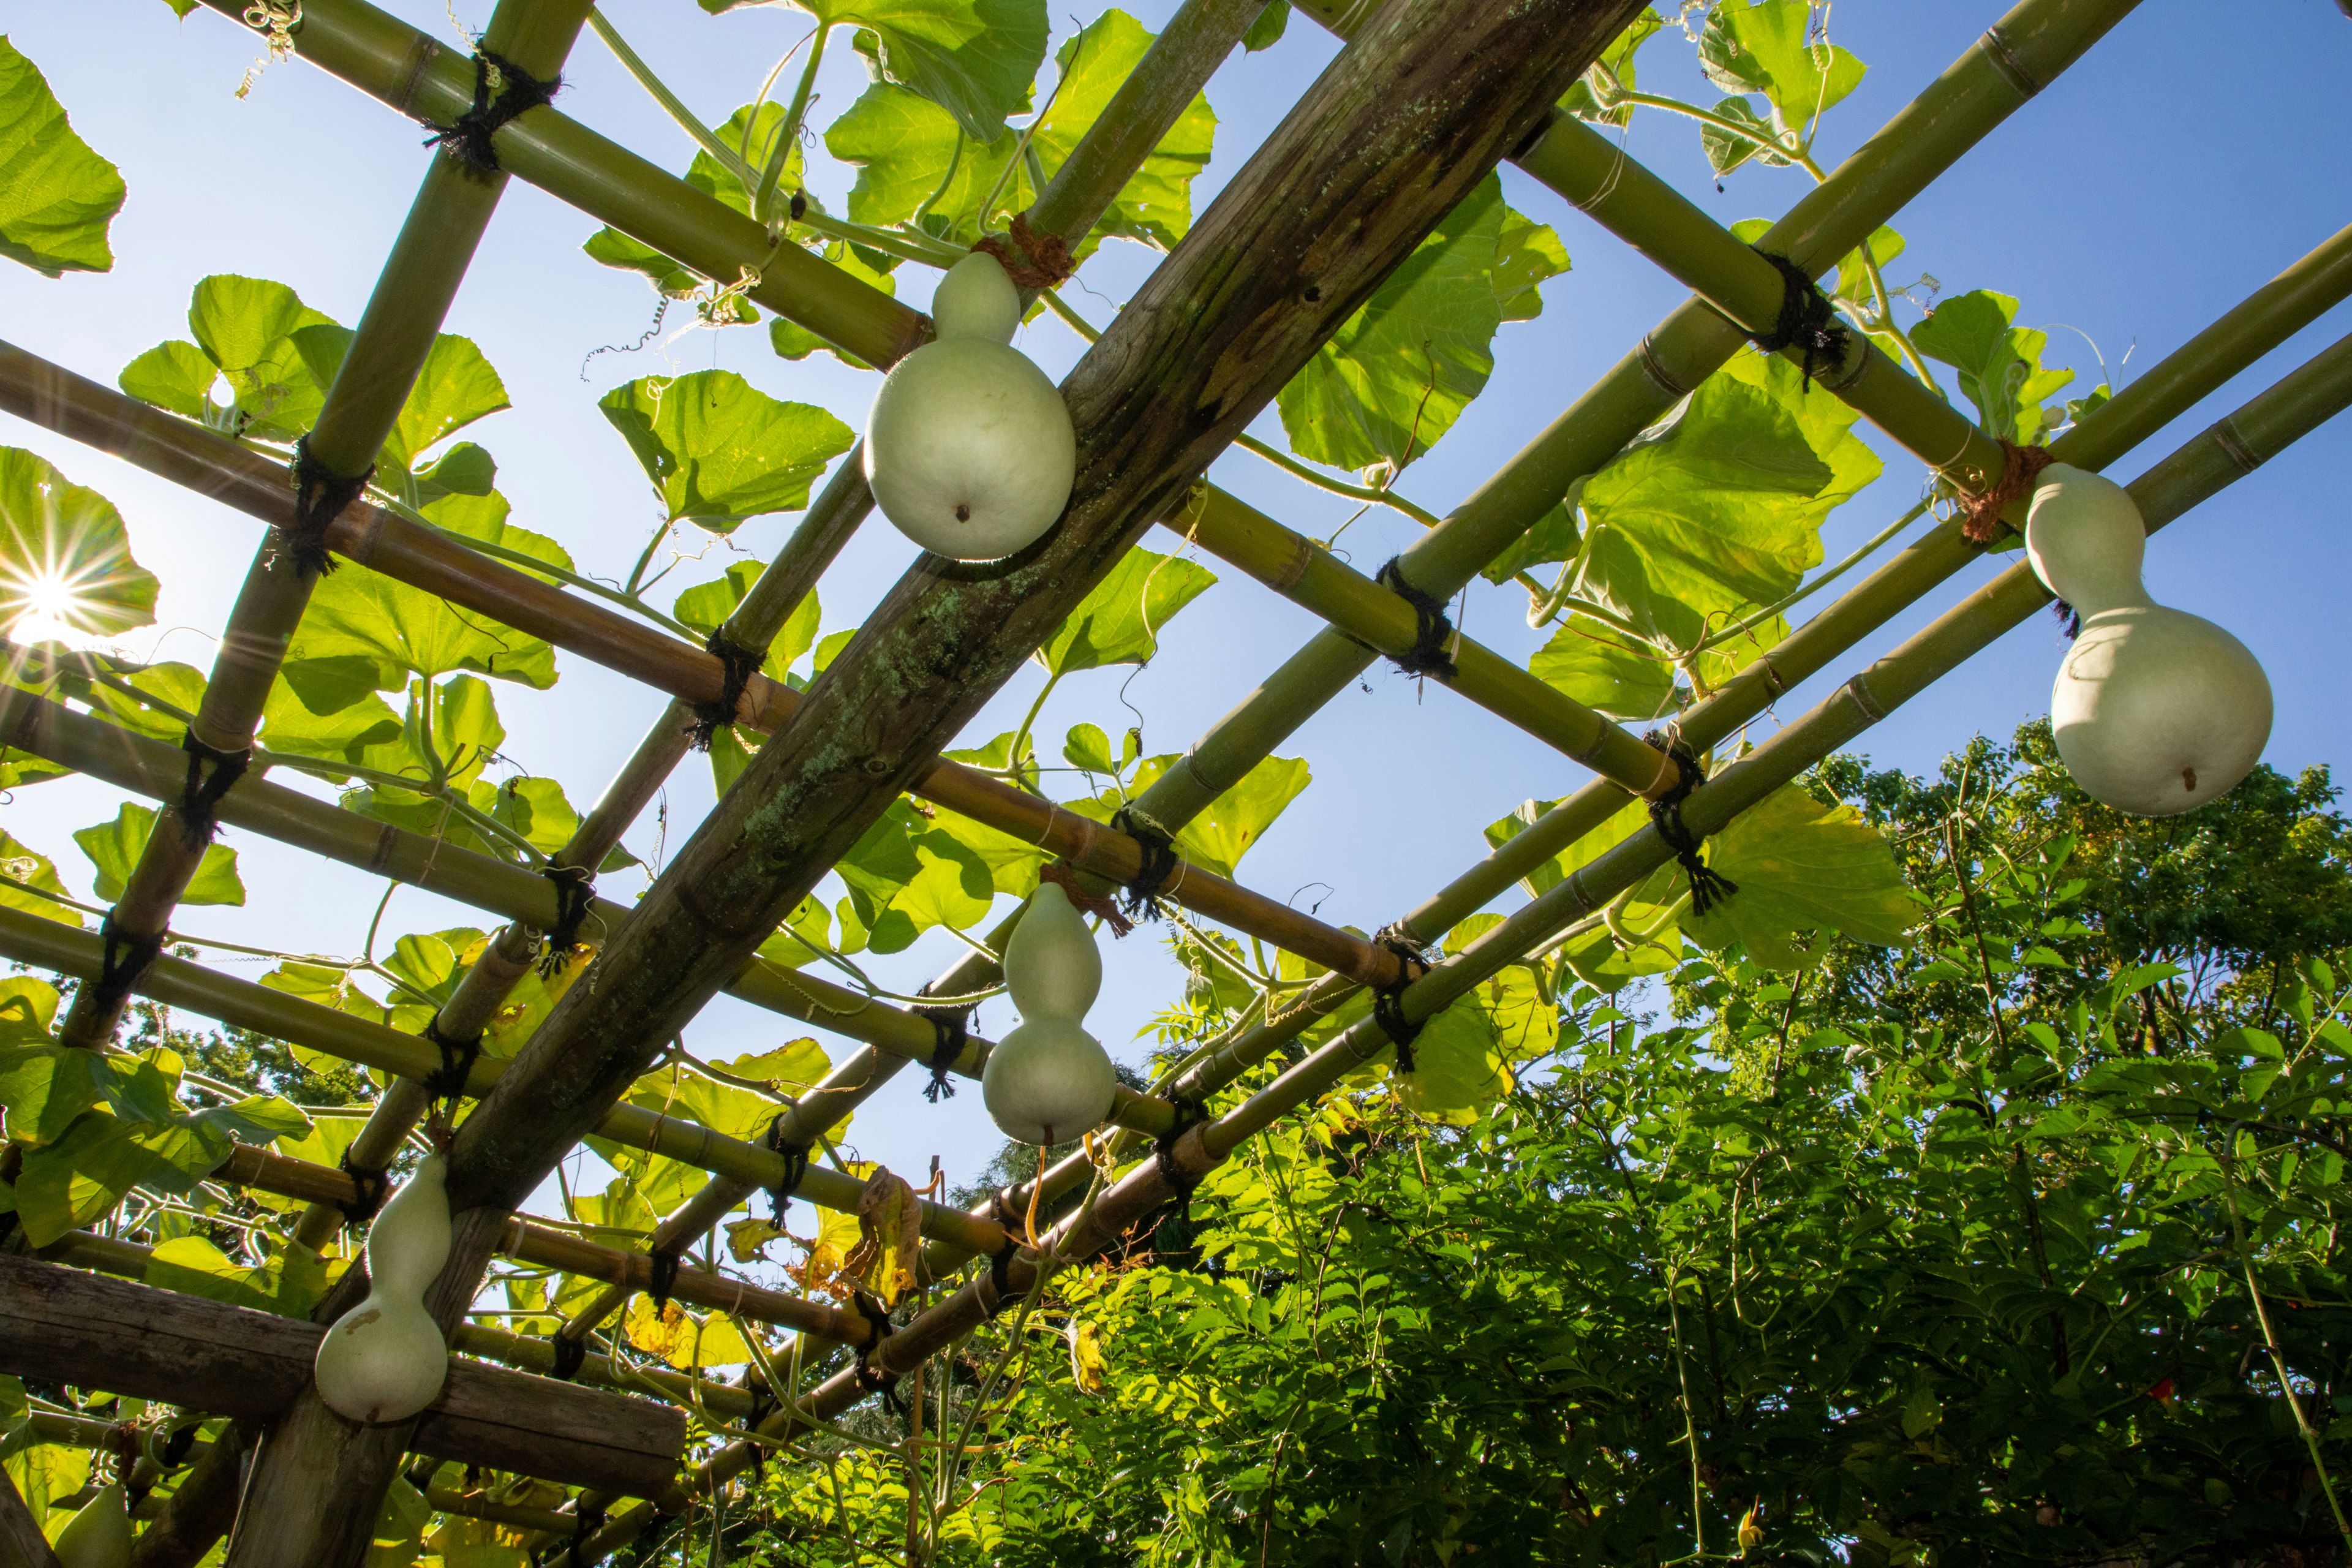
{"x":1425,"y":98}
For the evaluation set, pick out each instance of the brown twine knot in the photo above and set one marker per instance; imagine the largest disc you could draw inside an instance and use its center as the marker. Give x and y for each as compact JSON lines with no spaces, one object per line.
{"x":2019,"y":467}
{"x":1043,"y":261}
{"x":1063,"y":875}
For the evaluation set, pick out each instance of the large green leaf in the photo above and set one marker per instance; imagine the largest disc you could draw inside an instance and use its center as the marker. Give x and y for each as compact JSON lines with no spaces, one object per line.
{"x":455,"y":387}
{"x":1714,"y":510}
{"x":1399,"y":372}
{"x":35,"y":870}
{"x":906,"y":876}
{"x":356,"y":614}
{"x":114,"y":847}
{"x":327,"y":709}
{"x":1597,"y":668}
{"x":289,"y":1284}
{"x":2000,"y":363}
{"x":913,"y":156}
{"x":1768,"y":47}
{"x":1120,"y":621}
{"x":56,"y":195}
{"x":245,"y":330}
{"x":1801,"y":866}
{"x":1220,"y":835}
{"x":1458,"y":1066}
{"x":975,"y":59}
{"x":65,"y":555}
{"x":718,"y":450}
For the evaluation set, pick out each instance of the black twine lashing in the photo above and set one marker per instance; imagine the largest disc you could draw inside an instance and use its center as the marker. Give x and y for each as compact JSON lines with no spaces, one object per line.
{"x":1807,"y":320}
{"x":591,"y":1520}
{"x":1387,"y":1001}
{"x":320,"y":498}
{"x":575,"y":895}
{"x":1000,"y":1276}
{"x":737,"y":665}
{"x":467,"y":141}
{"x":1190,"y":1113}
{"x":122,"y":960}
{"x":571,"y":1354}
{"x":1708,"y":888}
{"x":371,"y":1187}
{"x":664,"y":1276}
{"x":764,"y":1403}
{"x":1143,"y":890}
{"x":200,"y":798}
{"x":870,"y":1380}
{"x":1431,"y":629}
{"x":448,"y":1081}
{"x":796,"y":1165}
{"x":950,"y":1031}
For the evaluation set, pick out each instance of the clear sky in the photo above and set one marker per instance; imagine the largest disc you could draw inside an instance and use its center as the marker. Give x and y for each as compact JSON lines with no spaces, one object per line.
{"x":2173,"y":170}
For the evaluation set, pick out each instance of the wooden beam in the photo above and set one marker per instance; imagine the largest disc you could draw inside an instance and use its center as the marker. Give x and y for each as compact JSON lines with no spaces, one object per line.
{"x":95,"y":1332}
{"x":22,"y":1544}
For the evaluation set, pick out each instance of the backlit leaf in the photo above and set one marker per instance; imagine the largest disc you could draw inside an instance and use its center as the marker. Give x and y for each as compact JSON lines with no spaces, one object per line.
{"x":1120,"y":621}
{"x":56,"y":195}
{"x":114,"y":847}
{"x":718,"y":450}
{"x":33,"y":869}
{"x":1801,"y":866}
{"x":65,"y":555}
{"x":2000,"y":363}
{"x":1770,"y":46}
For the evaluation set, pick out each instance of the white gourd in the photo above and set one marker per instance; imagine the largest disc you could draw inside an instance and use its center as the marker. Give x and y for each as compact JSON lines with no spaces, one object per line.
{"x":99,"y":1535}
{"x":384,"y":1360}
{"x":1048,"y":1080}
{"x":2155,"y":710}
{"x":968,"y":448}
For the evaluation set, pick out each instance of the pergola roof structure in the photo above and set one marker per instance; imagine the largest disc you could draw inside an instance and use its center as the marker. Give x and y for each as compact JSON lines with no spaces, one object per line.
{"x":1427,"y":97}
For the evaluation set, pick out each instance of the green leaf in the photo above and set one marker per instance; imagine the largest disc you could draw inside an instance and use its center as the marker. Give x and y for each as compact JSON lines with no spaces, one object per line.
{"x":718,"y":450}
{"x":1220,"y":835}
{"x":2000,"y":365}
{"x":1711,"y":511}
{"x":975,"y":59}
{"x":359,"y":614}
{"x":1086,"y":747}
{"x":35,"y":870}
{"x":1264,"y":32}
{"x":56,"y":195}
{"x":245,"y":326}
{"x":328,"y":709}
{"x":1120,"y":621}
{"x":48,"y":1088}
{"x":1156,"y":205}
{"x":1399,"y":372}
{"x":455,"y":387}
{"x":1597,"y":668}
{"x":166,"y":698}
{"x":1011,"y":862}
{"x":174,"y":376}
{"x":483,"y":520}
{"x":1458,"y":1066}
{"x":611,"y":247}
{"x":29,"y":1007}
{"x":65,"y":555}
{"x":1726,"y":150}
{"x":114,"y":847}
{"x":1801,"y":866}
{"x":1768,"y":47}
{"x":289,"y":1284}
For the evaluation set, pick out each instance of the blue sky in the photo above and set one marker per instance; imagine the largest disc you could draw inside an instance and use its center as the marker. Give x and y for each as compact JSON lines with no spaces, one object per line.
{"x":2153,"y":186}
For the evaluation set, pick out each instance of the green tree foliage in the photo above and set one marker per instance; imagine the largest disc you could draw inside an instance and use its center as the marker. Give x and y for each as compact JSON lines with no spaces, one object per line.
{"x":1928,"y":1254}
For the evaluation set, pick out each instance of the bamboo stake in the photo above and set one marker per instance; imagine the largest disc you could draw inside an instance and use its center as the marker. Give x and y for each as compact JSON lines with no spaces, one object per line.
{"x":58,"y":399}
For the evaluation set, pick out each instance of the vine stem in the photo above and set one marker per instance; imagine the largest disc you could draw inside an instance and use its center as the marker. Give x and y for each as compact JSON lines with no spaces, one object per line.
{"x":1376,"y":495}
{"x":1807,"y":590}
{"x":2278,"y":1356}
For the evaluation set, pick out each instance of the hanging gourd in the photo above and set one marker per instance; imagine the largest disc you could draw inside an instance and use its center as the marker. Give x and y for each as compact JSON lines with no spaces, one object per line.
{"x":1048,"y":1080}
{"x":99,"y":1535}
{"x":2155,"y":710}
{"x":384,"y":1360}
{"x":969,"y":450}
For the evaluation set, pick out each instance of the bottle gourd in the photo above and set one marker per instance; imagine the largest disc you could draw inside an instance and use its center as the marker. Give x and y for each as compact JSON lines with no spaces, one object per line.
{"x":99,"y":1535}
{"x":2155,"y":710}
{"x":1048,"y":1080}
{"x":384,"y":1360}
{"x":968,"y":448}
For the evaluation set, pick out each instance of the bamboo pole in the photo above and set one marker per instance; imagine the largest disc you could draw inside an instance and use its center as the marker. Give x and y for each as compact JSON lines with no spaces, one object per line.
{"x":174,"y":449}
{"x":412,"y":294}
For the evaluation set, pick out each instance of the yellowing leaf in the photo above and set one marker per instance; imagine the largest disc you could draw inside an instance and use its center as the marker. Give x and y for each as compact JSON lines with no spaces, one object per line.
{"x":889,"y":1238}
{"x":1800,"y":866}
{"x":1088,"y":1370}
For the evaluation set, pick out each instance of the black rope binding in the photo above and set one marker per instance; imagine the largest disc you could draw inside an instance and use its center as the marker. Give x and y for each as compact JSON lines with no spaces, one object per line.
{"x":592,"y":1520}
{"x":448,"y":1081}
{"x":1432,"y":629}
{"x":372,"y":1187}
{"x":796,"y":1164}
{"x":200,"y":798}
{"x":1388,"y":1001}
{"x":575,"y":895}
{"x":467,"y":141}
{"x":124,"y":958}
{"x":1708,"y":888}
{"x":1000,"y":1266}
{"x":870,"y":1380}
{"x":664,"y":1276}
{"x":571,"y":1356}
{"x":320,"y":498}
{"x":764,"y":1403}
{"x":1807,"y":320}
{"x":1159,"y":861}
{"x":737,"y":666}
{"x":951,"y":1028}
